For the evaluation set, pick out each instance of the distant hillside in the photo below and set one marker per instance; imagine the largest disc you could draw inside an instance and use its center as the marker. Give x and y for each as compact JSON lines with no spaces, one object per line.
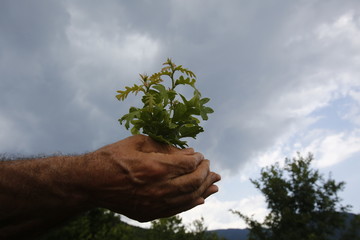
{"x":232,"y":234}
{"x":241,"y":234}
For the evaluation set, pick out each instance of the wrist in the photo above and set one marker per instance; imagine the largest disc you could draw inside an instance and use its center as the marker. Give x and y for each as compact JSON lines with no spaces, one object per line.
{"x":105,"y":181}
{"x":75,"y":179}
{"x":62,"y":182}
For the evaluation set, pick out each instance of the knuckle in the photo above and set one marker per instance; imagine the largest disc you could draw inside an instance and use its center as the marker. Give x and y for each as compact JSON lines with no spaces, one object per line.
{"x":194,"y":185}
{"x":190,"y":166}
{"x":207,"y":162}
{"x":150,"y":172}
{"x":198,"y":181}
{"x":188,"y":151}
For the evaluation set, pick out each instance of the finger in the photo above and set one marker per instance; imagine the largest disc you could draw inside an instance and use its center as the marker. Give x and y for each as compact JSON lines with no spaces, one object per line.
{"x":198,"y":201}
{"x":173,"y":165}
{"x":213,"y":188}
{"x":186,"y":160}
{"x":193,"y":181}
{"x":191,"y":192}
{"x":216,"y":177}
{"x":210,"y":191}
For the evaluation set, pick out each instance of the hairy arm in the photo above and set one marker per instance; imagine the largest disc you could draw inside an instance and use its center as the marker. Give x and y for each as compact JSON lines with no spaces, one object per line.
{"x":136,"y":177}
{"x":38,"y":194}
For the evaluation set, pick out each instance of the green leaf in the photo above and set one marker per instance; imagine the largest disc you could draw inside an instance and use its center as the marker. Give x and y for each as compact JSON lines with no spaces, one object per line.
{"x":185,"y":71}
{"x":134,"y":89}
{"x":185,"y":81}
{"x":204,"y":111}
{"x":135,"y":130}
{"x":179,"y":112}
{"x":163,"y":94}
{"x":204,"y":101}
{"x":190,"y":130}
{"x":149,"y":100}
{"x":133,"y":113}
{"x":172,"y":94}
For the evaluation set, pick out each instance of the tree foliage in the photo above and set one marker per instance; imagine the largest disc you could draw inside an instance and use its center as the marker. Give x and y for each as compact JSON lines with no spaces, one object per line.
{"x":168,"y":228}
{"x":302,"y":203}
{"x":352,"y":231}
{"x":173,"y":228}
{"x":166,"y":116}
{"x":96,"y":224}
{"x":102,"y":224}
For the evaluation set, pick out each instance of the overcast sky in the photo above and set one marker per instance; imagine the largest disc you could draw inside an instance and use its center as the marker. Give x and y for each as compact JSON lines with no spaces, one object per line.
{"x":283,"y":76}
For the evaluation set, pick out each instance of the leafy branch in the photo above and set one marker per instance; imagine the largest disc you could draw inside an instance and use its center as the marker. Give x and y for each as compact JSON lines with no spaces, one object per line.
{"x":166,"y":116}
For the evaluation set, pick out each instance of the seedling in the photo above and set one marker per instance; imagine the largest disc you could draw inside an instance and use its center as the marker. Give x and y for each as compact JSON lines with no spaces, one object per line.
{"x":166,"y":116}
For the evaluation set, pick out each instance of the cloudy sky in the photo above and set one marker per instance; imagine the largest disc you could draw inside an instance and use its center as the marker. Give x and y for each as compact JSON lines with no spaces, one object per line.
{"x":283,"y":76}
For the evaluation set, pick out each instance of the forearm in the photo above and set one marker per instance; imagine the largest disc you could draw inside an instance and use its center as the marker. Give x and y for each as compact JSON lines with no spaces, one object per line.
{"x":38,"y":194}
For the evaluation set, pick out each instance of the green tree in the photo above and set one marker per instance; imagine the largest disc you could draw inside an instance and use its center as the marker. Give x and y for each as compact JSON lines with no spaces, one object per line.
{"x":200,"y":232}
{"x":168,"y":228}
{"x":353,"y":229}
{"x":172,"y":228}
{"x":96,"y":224}
{"x":102,"y":224}
{"x":302,"y":203}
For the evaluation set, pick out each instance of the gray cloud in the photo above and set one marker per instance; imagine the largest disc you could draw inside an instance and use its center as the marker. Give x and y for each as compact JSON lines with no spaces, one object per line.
{"x":61,"y":63}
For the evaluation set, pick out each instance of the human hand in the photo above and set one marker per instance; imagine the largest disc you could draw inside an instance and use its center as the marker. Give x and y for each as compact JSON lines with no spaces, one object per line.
{"x":145,"y":180}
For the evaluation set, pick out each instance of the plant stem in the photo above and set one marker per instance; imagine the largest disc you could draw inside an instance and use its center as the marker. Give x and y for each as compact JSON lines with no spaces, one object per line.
{"x":171,"y":109}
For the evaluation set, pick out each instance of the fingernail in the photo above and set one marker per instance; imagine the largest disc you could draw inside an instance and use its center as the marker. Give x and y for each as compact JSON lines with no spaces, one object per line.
{"x":219,"y":177}
{"x":200,"y":155}
{"x":216,"y":177}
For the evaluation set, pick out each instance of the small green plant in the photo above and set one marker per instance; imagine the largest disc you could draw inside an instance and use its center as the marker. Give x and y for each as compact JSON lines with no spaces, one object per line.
{"x":166,"y":116}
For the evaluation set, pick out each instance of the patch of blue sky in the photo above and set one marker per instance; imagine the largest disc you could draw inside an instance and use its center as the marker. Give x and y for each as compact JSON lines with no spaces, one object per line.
{"x":348,"y":172}
{"x":332,"y":117}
